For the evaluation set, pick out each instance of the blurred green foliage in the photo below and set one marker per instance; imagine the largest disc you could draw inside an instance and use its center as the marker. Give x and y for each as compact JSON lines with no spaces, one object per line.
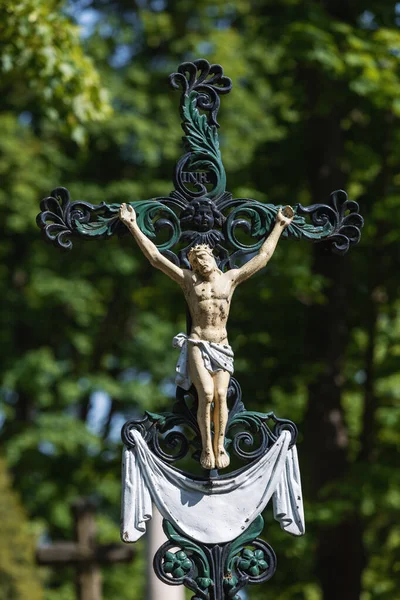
{"x":19,"y":577}
{"x":42,"y":61}
{"x":85,"y":335}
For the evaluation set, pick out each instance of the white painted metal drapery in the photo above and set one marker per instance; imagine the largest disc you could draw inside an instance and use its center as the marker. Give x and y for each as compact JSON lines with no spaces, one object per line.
{"x":213,"y":511}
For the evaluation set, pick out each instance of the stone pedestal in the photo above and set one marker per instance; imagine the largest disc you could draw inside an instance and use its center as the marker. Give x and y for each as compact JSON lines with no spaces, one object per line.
{"x":156,"y":589}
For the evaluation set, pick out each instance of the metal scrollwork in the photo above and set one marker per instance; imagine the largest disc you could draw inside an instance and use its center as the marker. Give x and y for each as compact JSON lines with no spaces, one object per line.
{"x":249,"y":429}
{"x":201,"y":85}
{"x":159,"y":431}
{"x":339,"y":223}
{"x":190,"y":566}
{"x":208,"y":81}
{"x":202,"y":221}
{"x":140,"y":425}
{"x":200,"y":210}
{"x":172,"y":435}
{"x":341,"y":220}
{"x":60,"y":219}
{"x":203,"y":154}
{"x":215,"y":572}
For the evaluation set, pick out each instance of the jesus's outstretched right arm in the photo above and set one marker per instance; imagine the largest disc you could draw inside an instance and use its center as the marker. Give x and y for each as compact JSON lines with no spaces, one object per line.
{"x":128,"y":217}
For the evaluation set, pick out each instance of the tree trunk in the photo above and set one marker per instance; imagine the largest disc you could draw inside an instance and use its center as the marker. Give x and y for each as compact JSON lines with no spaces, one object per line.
{"x":340,"y":554}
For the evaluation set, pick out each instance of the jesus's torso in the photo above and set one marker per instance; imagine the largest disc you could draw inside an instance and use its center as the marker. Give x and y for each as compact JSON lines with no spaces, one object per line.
{"x":209,"y":303}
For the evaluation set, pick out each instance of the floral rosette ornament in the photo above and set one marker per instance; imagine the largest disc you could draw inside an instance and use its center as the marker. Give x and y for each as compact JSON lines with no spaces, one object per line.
{"x":177,"y":564}
{"x":252,"y":563}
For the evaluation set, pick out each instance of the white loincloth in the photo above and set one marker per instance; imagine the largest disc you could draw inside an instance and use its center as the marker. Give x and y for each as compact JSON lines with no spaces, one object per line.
{"x":216,"y":357}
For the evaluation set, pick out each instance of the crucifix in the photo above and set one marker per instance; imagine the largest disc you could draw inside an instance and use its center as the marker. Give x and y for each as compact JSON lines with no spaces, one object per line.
{"x":206,"y":358}
{"x":214,"y":243}
{"x":84,"y":553}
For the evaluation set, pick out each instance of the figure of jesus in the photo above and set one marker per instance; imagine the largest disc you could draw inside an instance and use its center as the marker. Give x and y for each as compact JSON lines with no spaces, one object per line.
{"x":206,"y":358}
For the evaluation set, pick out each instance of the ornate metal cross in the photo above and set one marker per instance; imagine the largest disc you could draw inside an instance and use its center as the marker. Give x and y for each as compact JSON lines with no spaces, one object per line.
{"x":200,"y":210}
{"x":215,"y":559}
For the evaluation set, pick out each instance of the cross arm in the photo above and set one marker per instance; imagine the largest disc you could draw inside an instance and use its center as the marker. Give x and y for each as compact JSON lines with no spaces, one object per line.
{"x":200,"y":210}
{"x":70,"y":553}
{"x":62,"y":219}
{"x":337,"y":223}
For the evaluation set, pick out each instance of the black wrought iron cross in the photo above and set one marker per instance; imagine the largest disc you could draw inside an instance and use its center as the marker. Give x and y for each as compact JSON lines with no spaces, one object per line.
{"x":200,"y":210}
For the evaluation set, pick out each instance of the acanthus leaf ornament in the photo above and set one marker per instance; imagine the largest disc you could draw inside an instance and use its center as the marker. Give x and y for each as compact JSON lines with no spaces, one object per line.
{"x":338,"y":222}
{"x":208,"y":81}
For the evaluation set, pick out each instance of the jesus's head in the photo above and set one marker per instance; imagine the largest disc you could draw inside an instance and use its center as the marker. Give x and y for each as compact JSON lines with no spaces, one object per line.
{"x":202,"y":260}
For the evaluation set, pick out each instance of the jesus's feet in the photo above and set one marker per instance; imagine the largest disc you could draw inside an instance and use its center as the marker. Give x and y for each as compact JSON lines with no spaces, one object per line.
{"x":207,"y":460}
{"x":221,"y":459}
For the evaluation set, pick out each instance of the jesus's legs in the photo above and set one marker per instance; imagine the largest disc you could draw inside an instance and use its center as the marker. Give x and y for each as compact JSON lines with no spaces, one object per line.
{"x":204,"y":384}
{"x":220,"y":418}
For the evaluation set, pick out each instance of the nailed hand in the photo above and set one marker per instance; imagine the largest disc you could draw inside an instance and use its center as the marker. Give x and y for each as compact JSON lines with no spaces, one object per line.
{"x":285,"y":216}
{"x":127,"y":214}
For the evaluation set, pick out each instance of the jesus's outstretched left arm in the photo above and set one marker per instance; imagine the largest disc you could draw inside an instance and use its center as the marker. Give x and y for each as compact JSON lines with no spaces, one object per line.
{"x":283,"y":220}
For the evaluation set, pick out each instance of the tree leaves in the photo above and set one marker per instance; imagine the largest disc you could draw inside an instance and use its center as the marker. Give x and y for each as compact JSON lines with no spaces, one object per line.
{"x":101,"y":319}
{"x":41,"y":58}
{"x":18,"y":574}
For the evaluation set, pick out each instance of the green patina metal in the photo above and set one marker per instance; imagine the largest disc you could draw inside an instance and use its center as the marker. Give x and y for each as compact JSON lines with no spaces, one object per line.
{"x":262,"y":217}
{"x":200,"y":188}
{"x":148,"y":212}
{"x":241,"y":542}
{"x":202,"y":143}
{"x":246,"y":559}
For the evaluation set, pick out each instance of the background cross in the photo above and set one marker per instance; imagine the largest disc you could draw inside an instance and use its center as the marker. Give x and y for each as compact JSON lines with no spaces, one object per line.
{"x":84,"y":553}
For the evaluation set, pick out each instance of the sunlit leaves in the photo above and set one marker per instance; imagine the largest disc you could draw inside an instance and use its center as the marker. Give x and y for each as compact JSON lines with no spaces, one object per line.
{"x":41,"y":58}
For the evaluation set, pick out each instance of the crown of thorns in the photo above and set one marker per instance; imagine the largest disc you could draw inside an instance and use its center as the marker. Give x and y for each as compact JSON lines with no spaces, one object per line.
{"x":199,"y":248}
